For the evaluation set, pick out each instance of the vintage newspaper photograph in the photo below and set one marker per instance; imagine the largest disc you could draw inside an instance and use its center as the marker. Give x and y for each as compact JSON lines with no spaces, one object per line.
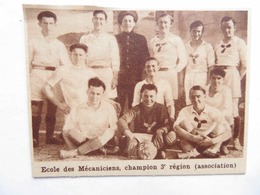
{"x":117,"y":92}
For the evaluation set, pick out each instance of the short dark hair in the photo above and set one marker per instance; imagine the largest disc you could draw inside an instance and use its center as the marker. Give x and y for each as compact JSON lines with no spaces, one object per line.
{"x":228,"y":18}
{"x":165,"y":14}
{"x":46,"y":14}
{"x":100,"y":12}
{"x":80,"y":46}
{"x":148,"y":87}
{"x":150,"y":59}
{"x":218,"y":71}
{"x":96,"y":82}
{"x":198,"y":87}
{"x":195,"y":24}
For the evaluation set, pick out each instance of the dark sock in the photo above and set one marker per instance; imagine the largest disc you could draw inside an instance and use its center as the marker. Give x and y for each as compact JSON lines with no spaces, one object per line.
{"x":237,"y":127}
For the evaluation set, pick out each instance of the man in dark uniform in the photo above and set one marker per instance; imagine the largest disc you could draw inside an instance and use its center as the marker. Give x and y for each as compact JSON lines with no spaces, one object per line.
{"x":133,"y":53}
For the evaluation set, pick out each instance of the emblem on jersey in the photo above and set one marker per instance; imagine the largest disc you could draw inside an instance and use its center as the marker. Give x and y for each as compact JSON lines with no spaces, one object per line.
{"x":200,"y":122}
{"x":225,"y":47}
{"x":194,"y":58}
{"x":159,"y":45}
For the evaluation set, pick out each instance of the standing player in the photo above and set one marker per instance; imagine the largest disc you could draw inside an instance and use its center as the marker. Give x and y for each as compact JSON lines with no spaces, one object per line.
{"x":46,"y":54}
{"x":169,"y":50}
{"x":231,"y":56}
{"x":200,"y":58}
{"x":103,"y":55}
{"x":133,"y":53}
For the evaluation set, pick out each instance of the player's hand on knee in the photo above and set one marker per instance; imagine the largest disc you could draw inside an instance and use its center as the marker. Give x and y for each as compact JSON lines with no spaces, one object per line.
{"x":170,"y":138}
{"x":158,"y":139}
{"x":207,"y":141}
{"x":197,"y":138}
{"x":129,"y":134}
{"x":131,"y":147}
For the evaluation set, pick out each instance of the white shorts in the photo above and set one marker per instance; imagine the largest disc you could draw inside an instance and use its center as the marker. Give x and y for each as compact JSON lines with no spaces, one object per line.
{"x":171,"y":76}
{"x":232,"y":80}
{"x":106,"y":75}
{"x":191,"y":79}
{"x":38,"y":79}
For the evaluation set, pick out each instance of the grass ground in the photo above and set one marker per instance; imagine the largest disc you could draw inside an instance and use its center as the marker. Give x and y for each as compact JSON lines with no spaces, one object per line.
{"x":49,"y":152}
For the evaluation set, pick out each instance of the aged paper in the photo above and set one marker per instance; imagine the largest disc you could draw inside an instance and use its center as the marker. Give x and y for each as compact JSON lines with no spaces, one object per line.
{"x":72,"y":23}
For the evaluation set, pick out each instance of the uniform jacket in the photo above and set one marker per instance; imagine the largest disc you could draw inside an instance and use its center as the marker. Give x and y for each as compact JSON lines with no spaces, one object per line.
{"x":133,"y":51}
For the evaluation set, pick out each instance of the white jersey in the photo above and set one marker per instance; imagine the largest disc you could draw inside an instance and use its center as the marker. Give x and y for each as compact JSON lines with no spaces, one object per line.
{"x":201,"y":58}
{"x":164,"y":94}
{"x":205,"y":122}
{"x":74,"y":83}
{"x":102,"y":50}
{"x":103,"y":53}
{"x":232,"y":53}
{"x":92,"y":123}
{"x":168,"y":51}
{"x":222,"y":100}
{"x":171,"y":54}
{"x":44,"y":53}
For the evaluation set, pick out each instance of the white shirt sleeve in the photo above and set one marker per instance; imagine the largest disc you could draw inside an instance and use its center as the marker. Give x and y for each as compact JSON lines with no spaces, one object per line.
{"x":56,"y":77}
{"x":168,"y":95}
{"x":30,"y":54}
{"x":227,"y":102}
{"x":71,"y":121}
{"x":242,"y":49}
{"x":115,"y":59}
{"x":64,"y":56}
{"x":112,"y":117}
{"x":180,"y":117}
{"x":210,"y":55}
{"x":137,"y":94}
{"x":182,"y":56}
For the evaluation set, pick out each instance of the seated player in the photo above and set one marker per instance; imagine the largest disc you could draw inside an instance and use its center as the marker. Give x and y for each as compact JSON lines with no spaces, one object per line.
{"x":91,"y":125}
{"x":146,"y":126}
{"x":201,"y":128}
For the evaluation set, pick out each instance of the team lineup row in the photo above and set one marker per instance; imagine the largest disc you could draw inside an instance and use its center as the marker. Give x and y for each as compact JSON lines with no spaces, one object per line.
{"x":119,"y":62}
